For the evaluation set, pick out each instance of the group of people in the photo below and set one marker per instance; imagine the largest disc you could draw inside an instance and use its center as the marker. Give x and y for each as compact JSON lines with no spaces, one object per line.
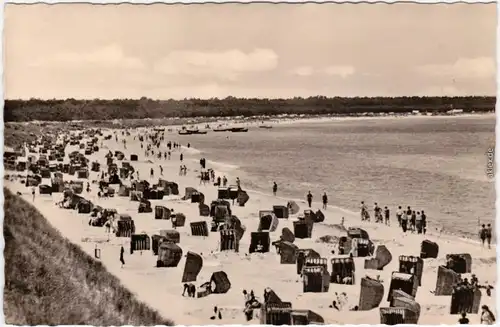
{"x":182,"y":170}
{"x":324,"y":199}
{"x":485,"y":235}
{"x":408,"y":220}
{"x":487,"y":317}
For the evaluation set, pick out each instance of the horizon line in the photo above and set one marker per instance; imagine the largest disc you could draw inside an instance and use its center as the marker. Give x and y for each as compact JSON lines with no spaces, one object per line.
{"x":254,"y":98}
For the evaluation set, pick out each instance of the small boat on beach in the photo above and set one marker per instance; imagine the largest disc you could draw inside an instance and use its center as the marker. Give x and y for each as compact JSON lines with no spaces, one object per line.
{"x":191,"y":132}
{"x":239,"y":129}
{"x":266,"y":126}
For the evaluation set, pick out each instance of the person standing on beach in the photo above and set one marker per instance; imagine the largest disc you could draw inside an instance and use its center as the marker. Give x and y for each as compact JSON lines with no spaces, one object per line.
{"x":122,"y":251}
{"x":487,"y":317}
{"x":325,"y":201}
{"x":33,"y":191}
{"x":413,"y":221}
{"x":238,"y":182}
{"x":424,"y":222}
{"x":387,"y":214}
{"x":482,"y":234}
{"x":181,"y":157}
{"x":161,"y":170}
{"x":488,"y":235}
{"x":404,"y":221}
{"x":377,"y":212}
{"x":275,"y":188}
{"x":224,"y":181}
{"x":309,"y":198}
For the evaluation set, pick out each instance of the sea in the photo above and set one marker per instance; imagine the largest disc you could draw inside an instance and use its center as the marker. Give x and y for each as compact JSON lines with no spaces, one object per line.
{"x":435,"y":164}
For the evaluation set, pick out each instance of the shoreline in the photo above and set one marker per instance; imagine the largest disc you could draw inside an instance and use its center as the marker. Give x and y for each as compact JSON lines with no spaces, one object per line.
{"x":268,"y":120}
{"x":231,"y":173}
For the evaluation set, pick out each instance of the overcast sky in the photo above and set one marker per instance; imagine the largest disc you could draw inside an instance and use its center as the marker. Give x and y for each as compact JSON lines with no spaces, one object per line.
{"x":258,"y":50}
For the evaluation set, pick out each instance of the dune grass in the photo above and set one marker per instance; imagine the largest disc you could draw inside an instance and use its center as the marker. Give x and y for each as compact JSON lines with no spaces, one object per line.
{"x":51,"y":281}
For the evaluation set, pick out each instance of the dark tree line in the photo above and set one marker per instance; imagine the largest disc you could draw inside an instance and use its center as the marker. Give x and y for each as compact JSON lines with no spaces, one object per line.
{"x":71,"y":109}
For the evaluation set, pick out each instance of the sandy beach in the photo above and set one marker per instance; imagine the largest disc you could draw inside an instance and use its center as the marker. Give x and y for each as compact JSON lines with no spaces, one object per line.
{"x":161,"y":288}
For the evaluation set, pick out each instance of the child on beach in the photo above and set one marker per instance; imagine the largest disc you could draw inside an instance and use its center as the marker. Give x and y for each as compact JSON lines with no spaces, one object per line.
{"x":463,"y":320}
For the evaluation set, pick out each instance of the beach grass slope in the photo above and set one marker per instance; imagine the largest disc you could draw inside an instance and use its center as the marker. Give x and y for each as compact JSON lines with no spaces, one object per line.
{"x":51,"y":281}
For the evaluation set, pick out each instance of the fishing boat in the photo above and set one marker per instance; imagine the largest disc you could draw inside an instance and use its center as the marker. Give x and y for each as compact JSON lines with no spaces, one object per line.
{"x":197,"y":131}
{"x":239,"y":129}
{"x":191,"y":132}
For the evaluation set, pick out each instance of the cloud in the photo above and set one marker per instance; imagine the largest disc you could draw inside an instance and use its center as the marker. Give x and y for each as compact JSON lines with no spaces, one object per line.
{"x":111,"y":56}
{"x":303,"y":71}
{"x":223,"y":64}
{"x":342,"y":71}
{"x":480,"y":67}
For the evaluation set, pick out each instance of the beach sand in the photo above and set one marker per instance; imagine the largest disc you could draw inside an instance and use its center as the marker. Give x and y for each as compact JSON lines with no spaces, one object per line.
{"x":161,"y":288}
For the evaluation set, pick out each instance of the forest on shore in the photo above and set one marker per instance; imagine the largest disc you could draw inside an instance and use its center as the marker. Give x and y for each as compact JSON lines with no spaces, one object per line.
{"x":74,"y":109}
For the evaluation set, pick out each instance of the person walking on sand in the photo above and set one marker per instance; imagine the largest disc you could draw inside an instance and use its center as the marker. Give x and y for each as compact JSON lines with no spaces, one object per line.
{"x":488,"y":235}
{"x":224,"y":181}
{"x":325,"y":201}
{"x":482,"y":234}
{"x":387,"y":215}
{"x":33,"y":191}
{"x":309,"y":198}
{"x":238,"y":182}
{"x":122,"y":251}
{"x":275,"y":188}
{"x":181,"y":157}
{"x":161,"y":170}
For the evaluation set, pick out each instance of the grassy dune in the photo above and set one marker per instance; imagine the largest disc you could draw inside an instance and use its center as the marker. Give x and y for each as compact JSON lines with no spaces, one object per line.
{"x":50,"y":281}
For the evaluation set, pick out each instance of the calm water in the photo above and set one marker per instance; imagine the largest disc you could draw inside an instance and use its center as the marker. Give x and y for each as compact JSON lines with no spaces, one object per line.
{"x":431,"y":163}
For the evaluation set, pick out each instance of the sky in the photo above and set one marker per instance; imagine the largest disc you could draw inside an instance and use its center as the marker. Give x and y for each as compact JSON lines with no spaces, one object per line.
{"x":161,"y":51}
